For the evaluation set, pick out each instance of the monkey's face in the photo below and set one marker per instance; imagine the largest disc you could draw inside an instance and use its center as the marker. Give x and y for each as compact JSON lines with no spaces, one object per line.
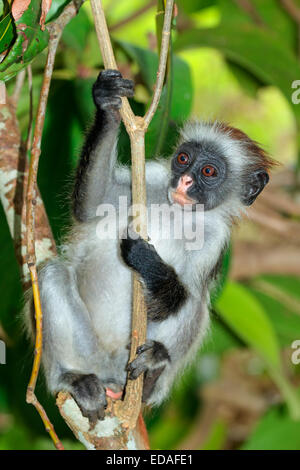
{"x":200,"y":175}
{"x":203,"y":174}
{"x":216,"y":164}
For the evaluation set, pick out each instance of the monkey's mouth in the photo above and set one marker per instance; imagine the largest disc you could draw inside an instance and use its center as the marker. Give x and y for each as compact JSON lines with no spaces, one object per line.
{"x":181,"y":198}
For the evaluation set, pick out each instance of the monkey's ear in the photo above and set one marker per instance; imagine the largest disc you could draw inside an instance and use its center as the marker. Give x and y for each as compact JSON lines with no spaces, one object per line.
{"x":254,"y":186}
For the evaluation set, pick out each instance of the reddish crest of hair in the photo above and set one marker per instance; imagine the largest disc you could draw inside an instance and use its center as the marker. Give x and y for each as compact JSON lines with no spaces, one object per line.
{"x":263,"y":159}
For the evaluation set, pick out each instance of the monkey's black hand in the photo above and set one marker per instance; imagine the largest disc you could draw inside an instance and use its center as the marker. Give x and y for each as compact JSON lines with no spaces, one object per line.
{"x":109,"y":87}
{"x":164,"y":292}
{"x":137,"y":253}
{"x":151,"y":355}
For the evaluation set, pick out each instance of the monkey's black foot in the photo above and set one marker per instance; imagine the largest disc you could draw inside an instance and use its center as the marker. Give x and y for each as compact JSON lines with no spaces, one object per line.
{"x":151,"y":355}
{"x":137,"y":253}
{"x":89,"y":394}
{"x":109,"y":87}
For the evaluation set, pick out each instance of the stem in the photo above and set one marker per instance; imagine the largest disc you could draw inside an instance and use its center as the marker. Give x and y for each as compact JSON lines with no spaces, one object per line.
{"x":292,"y":9}
{"x":288,"y":393}
{"x":250,"y":9}
{"x":18,"y":86}
{"x":166,"y":32}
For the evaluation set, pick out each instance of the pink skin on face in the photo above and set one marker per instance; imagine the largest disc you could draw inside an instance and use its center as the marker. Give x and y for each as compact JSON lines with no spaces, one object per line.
{"x":179,"y":195}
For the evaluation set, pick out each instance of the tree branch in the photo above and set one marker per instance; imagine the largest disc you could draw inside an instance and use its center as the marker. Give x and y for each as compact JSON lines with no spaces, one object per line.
{"x":250,"y":9}
{"x":292,"y":9}
{"x":294,"y":12}
{"x":166,"y":32}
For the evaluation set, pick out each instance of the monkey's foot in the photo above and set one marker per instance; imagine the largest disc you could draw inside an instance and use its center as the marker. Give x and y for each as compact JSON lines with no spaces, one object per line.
{"x":151,"y":355}
{"x":89,"y":394}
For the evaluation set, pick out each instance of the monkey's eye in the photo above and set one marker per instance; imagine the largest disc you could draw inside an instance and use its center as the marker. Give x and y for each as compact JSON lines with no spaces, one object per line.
{"x":183,"y":158}
{"x":209,"y":170}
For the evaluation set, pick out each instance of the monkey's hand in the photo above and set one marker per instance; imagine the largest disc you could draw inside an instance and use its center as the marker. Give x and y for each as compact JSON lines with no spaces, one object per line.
{"x":109,"y":88}
{"x":138,"y":254}
{"x":164,"y":292}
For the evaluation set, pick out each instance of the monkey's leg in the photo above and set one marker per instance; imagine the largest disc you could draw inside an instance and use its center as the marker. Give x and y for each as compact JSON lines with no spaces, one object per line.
{"x":70,"y":351}
{"x":165,"y":294}
{"x":99,"y":154}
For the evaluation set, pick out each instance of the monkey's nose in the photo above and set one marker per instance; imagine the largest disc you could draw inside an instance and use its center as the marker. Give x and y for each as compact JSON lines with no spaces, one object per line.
{"x":184,"y":183}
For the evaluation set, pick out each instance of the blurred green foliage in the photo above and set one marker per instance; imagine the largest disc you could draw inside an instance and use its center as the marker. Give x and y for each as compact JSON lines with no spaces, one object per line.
{"x":226,"y":63}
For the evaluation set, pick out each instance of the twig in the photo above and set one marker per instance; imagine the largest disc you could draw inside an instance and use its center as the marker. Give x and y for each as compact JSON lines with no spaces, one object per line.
{"x":292,"y":9}
{"x":250,"y":9}
{"x":294,"y":12}
{"x":27,"y":144}
{"x":18,"y":86}
{"x":55,"y":29}
{"x":165,"y":39}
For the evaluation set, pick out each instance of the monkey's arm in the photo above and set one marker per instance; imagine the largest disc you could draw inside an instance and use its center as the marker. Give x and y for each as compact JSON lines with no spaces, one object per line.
{"x":98,"y":156}
{"x":164,"y":292}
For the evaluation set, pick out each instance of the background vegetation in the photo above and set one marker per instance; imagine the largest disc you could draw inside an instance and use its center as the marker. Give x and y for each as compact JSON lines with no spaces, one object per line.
{"x":233,"y":60}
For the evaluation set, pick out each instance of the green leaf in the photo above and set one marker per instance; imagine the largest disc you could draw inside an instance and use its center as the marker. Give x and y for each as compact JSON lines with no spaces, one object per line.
{"x":224,"y":271}
{"x":288,"y":284}
{"x":244,"y":314}
{"x":232,"y":12}
{"x":217,"y":436}
{"x":272,"y":13}
{"x":6,"y":32}
{"x":183,"y":87}
{"x":285,"y":323}
{"x":146,"y":60}
{"x":191,"y":6}
{"x":56,"y":8}
{"x":275,"y":431}
{"x":253,"y":48}
{"x":248,"y":82}
{"x":221,"y":338}
{"x":76,"y":32}
{"x":280,"y":297}
{"x":29,"y":42}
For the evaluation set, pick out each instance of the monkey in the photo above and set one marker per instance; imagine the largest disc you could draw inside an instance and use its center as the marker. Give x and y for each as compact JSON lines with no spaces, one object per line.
{"x":86,"y":291}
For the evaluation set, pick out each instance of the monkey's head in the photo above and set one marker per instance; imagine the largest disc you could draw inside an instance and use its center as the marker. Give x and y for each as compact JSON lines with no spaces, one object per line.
{"x":215,"y":163}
